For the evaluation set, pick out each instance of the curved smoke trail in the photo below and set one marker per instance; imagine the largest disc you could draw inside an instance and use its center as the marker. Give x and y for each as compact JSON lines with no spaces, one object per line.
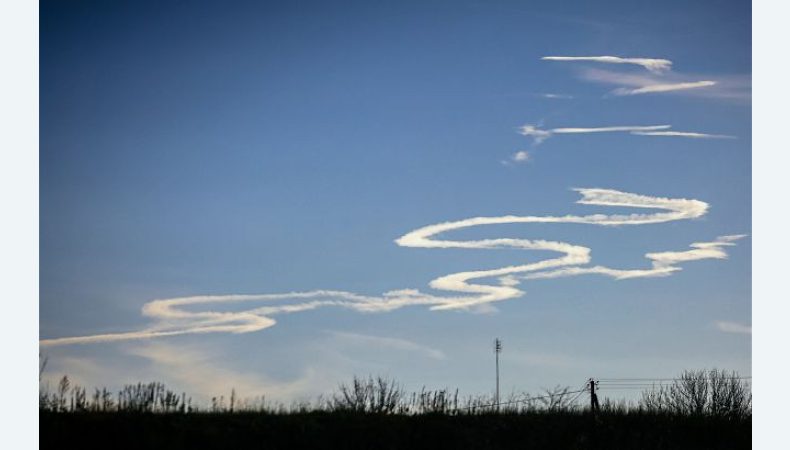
{"x":170,"y":317}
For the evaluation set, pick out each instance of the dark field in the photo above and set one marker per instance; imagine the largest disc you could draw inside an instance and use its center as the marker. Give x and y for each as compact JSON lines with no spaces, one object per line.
{"x":332,"y":430}
{"x":698,"y":410}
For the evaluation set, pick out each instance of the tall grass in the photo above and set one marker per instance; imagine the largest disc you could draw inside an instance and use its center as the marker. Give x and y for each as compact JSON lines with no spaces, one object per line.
{"x":711,"y":393}
{"x":696,"y":412}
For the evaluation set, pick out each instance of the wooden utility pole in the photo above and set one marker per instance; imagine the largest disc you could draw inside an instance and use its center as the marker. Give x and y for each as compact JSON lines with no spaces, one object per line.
{"x":594,"y":406}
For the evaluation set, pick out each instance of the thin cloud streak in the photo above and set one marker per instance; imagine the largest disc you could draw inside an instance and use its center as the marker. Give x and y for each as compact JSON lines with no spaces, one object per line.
{"x":733,"y":327}
{"x":608,"y":129}
{"x":557,"y":96}
{"x":668,"y":87}
{"x":539,"y":135}
{"x":170,"y":318}
{"x":725,"y":87}
{"x":389,"y":342}
{"x":687,"y":134}
{"x":652,"y":64}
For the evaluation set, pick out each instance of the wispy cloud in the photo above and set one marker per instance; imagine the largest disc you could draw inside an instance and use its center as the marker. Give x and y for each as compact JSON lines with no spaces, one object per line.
{"x":184,"y":315}
{"x":725,"y":87}
{"x":686,"y":134}
{"x":381,"y":342}
{"x":520,"y":156}
{"x":651,"y":64}
{"x":196,"y":371}
{"x":539,"y":135}
{"x":629,"y":128}
{"x":733,"y":327}
{"x":556,"y":96}
{"x":666,"y":87}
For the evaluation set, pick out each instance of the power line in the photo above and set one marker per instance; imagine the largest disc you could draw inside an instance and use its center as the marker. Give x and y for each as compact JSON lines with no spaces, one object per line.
{"x":528,"y":399}
{"x":668,"y":379}
{"x":608,"y":384}
{"x":583,"y":390}
{"x":624,"y":388}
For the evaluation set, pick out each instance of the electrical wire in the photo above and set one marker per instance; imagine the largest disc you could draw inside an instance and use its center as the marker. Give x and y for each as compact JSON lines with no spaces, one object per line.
{"x":580,"y":393}
{"x":606,"y":384}
{"x":668,"y":379}
{"x":528,"y":399}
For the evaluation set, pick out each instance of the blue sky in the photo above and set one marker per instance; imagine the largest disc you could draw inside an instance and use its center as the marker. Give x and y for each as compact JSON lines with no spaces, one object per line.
{"x":214,"y":149}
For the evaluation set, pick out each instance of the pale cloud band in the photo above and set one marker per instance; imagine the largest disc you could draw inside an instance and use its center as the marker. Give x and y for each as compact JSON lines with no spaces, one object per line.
{"x":686,"y":134}
{"x":539,"y":134}
{"x":171,"y":317}
{"x":651,"y":64}
{"x":640,"y":84}
{"x":725,"y":87}
{"x":663,"y":87}
{"x":557,"y":96}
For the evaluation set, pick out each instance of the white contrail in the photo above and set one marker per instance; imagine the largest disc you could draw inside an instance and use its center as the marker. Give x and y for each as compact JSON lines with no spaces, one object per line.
{"x":539,"y":135}
{"x":628,"y":128}
{"x":667,"y":87}
{"x":687,"y":134}
{"x":170,"y":316}
{"x":664,"y":263}
{"x":725,"y":87}
{"x":651,"y":64}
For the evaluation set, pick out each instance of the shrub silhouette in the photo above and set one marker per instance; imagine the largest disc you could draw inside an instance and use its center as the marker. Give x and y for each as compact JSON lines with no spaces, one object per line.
{"x":379,"y":396}
{"x":713,"y":392}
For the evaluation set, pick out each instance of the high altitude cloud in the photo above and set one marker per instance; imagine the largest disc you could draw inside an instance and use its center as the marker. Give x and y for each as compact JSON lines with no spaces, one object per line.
{"x":557,"y":96}
{"x":464,"y":290}
{"x":687,"y":134}
{"x":660,"y":79}
{"x":520,"y":156}
{"x":729,"y":87}
{"x":539,"y":134}
{"x":651,"y":64}
{"x":663,"y":87}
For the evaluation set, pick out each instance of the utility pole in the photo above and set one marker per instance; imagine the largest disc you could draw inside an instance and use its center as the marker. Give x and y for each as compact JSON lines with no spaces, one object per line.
{"x":594,"y":406}
{"x":497,"y":351}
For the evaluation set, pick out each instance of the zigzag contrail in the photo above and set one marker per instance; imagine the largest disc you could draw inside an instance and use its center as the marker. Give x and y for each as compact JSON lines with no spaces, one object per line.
{"x":170,"y":318}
